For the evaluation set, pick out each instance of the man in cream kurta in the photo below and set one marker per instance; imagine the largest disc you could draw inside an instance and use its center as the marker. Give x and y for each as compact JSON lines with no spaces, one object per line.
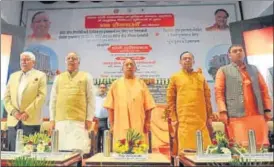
{"x":24,"y":98}
{"x":129,"y":104}
{"x":72,"y":106}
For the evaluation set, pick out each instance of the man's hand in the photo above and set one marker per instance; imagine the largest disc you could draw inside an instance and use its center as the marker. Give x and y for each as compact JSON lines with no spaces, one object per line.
{"x":214,"y":116}
{"x":223,"y":117}
{"x":51,"y":127}
{"x":175,"y":124}
{"x":146,"y":128}
{"x":210,"y":127}
{"x":267,"y":116}
{"x":17,"y":115}
{"x":88,"y":124}
{"x":24,"y":116}
{"x":111,"y":128}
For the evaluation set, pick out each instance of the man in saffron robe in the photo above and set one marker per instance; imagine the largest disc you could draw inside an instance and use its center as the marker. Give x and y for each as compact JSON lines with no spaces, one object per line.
{"x":188,"y":100}
{"x":242,"y":99}
{"x":129,"y":104}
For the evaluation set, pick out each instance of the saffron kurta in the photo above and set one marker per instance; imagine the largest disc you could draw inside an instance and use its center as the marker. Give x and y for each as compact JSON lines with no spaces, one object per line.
{"x":130,"y":99}
{"x":238,"y":127}
{"x":188,"y":99}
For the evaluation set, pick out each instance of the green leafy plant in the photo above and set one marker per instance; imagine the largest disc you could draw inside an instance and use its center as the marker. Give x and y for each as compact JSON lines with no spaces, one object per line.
{"x":221,"y":145}
{"x":132,"y":136}
{"x":29,"y":161}
{"x":246,"y":162}
{"x":36,"y":138}
{"x":132,"y":144}
{"x":39,"y":142}
{"x":240,"y":162}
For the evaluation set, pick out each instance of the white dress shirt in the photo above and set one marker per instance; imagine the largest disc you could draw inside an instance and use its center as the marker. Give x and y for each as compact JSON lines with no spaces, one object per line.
{"x":100,"y":111}
{"x":23,"y":82}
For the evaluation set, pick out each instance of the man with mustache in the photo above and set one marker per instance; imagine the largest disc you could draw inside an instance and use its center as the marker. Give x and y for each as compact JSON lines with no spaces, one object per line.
{"x":40,"y":25}
{"x":242,"y":99}
{"x":24,"y":98}
{"x":221,"y":16}
{"x":129,"y":104}
{"x":189,"y":106}
{"x":72,"y":105}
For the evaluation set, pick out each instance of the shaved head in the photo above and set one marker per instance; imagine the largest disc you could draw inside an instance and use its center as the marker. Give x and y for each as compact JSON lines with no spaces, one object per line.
{"x":129,"y":68}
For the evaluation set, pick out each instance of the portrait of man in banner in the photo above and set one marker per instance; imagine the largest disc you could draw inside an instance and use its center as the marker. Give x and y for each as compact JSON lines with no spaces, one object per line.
{"x":40,"y":25}
{"x":221,"y":16}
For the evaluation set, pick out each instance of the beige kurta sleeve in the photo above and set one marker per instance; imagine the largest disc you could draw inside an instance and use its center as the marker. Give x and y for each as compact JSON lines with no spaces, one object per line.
{"x":53,"y":100}
{"x":90,"y":98}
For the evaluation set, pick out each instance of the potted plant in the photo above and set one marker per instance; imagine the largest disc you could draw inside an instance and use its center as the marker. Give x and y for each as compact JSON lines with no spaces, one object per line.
{"x":221,"y":145}
{"x":38,"y":142}
{"x":131,"y":145}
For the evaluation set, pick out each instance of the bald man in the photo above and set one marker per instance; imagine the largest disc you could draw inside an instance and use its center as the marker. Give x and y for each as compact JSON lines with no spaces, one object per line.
{"x":24,"y":98}
{"x":129,"y":104}
{"x":72,"y":105}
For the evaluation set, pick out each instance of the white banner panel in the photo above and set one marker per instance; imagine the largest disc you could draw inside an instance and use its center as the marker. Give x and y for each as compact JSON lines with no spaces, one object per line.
{"x":154,"y":36}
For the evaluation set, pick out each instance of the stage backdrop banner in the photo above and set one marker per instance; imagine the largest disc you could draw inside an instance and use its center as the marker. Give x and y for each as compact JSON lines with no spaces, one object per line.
{"x":154,"y":36}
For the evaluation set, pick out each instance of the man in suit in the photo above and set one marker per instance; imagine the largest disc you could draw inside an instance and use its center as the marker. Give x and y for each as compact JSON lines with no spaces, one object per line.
{"x":24,"y":97}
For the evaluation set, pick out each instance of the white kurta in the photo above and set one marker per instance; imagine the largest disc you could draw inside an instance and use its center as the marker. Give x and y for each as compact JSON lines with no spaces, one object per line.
{"x":72,"y":134}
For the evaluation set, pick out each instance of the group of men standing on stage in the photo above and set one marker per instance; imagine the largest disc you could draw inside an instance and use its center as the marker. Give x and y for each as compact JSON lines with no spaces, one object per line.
{"x":241,"y":94}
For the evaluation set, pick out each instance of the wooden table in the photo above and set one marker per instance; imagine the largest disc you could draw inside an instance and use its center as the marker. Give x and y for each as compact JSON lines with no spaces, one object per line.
{"x":59,"y":159}
{"x":191,"y":160}
{"x":154,"y":159}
